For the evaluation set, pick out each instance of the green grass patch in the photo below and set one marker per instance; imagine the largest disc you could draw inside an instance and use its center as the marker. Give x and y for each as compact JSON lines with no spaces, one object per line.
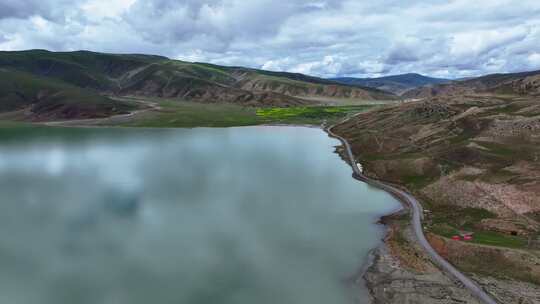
{"x":461,"y":218}
{"x":177,"y":114}
{"x":309,"y":115}
{"x":444,"y":230}
{"x":499,"y":239}
{"x":449,"y":220}
{"x":304,"y":112}
{"x":482,"y":237}
{"x":498,"y":149}
{"x":180,"y":114}
{"x":417,"y":181}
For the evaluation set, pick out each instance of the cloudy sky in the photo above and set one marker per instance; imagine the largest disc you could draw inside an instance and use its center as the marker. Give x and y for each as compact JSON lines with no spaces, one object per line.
{"x":452,"y":38}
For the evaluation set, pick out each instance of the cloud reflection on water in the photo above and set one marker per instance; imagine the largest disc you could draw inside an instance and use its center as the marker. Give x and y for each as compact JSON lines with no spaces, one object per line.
{"x":237,"y":215}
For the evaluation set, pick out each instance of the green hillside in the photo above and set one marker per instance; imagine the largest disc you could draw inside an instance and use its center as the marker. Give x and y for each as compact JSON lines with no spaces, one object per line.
{"x":46,"y":98}
{"x":74,"y":84}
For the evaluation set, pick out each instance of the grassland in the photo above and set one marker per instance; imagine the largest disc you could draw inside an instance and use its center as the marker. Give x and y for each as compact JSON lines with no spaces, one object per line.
{"x":310,"y":115}
{"x":182,"y":114}
{"x":178,"y":114}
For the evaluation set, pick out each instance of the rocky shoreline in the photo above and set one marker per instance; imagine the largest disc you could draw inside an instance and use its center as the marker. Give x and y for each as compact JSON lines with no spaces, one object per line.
{"x":389,"y":283}
{"x":398,"y":272}
{"x":409,"y":278}
{"x":401,"y":273}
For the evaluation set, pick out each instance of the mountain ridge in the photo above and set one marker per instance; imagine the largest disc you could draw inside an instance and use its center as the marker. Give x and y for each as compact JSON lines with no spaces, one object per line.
{"x":521,"y":83}
{"x":158,"y":76}
{"x":397,"y":84}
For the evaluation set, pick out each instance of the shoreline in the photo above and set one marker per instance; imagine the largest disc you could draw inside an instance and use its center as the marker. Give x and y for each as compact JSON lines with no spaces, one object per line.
{"x":358,"y":277}
{"x":411,"y":204}
{"x":375,"y":254}
{"x":367,"y":261}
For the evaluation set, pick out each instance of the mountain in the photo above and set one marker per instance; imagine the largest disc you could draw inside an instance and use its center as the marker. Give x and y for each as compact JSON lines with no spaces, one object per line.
{"x":525,"y":83}
{"x":396,"y":84}
{"x":473,"y":162}
{"x":65,"y":79}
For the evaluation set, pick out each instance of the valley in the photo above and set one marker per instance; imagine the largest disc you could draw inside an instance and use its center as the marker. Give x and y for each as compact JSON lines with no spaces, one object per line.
{"x":467,"y":150}
{"x":263,"y":152}
{"x":74,"y":85}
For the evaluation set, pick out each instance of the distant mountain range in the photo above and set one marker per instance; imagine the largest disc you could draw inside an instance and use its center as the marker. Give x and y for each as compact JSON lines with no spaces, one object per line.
{"x":397,"y":84}
{"x":65,"y":85}
{"x":525,"y":83}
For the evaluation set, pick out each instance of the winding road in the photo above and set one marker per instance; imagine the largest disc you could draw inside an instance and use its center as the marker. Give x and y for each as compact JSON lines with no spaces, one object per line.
{"x":416,"y":223}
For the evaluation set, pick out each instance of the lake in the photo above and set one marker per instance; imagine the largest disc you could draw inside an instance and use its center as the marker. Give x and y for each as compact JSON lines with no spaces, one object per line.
{"x":199,"y":216}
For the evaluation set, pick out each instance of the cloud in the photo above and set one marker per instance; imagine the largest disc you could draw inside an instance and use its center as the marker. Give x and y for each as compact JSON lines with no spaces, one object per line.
{"x":321,"y":37}
{"x":534,"y":59}
{"x":474,"y":43}
{"x":28,"y":8}
{"x":21,"y":9}
{"x":221,"y":21}
{"x":405,"y":51}
{"x":99,"y":9}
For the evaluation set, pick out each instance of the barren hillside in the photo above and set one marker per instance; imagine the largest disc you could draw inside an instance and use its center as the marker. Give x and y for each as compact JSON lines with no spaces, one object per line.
{"x":474,"y":162}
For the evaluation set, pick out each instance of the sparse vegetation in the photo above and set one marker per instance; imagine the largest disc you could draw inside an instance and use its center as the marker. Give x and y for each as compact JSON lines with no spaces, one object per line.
{"x":474,"y":168}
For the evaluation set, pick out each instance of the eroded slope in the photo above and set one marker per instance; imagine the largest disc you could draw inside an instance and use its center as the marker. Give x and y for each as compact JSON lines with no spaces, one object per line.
{"x":474,"y":162}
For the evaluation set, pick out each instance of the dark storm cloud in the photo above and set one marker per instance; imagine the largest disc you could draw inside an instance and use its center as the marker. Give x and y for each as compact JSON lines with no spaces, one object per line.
{"x":322,"y":37}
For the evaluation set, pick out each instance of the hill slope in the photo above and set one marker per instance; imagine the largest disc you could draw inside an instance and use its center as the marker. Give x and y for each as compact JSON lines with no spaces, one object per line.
{"x":526,"y":83}
{"x":49,"y":99}
{"x":396,"y":84}
{"x":473,"y":162}
{"x":156,"y":76}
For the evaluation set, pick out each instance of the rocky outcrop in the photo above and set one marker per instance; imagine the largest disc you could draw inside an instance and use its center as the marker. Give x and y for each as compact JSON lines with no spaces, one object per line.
{"x":391,"y":283}
{"x":528,"y":85}
{"x":401,"y":273}
{"x":510,"y":292}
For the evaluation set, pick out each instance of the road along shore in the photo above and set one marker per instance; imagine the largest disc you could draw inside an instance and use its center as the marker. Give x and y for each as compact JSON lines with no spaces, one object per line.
{"x":416,"y":222}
